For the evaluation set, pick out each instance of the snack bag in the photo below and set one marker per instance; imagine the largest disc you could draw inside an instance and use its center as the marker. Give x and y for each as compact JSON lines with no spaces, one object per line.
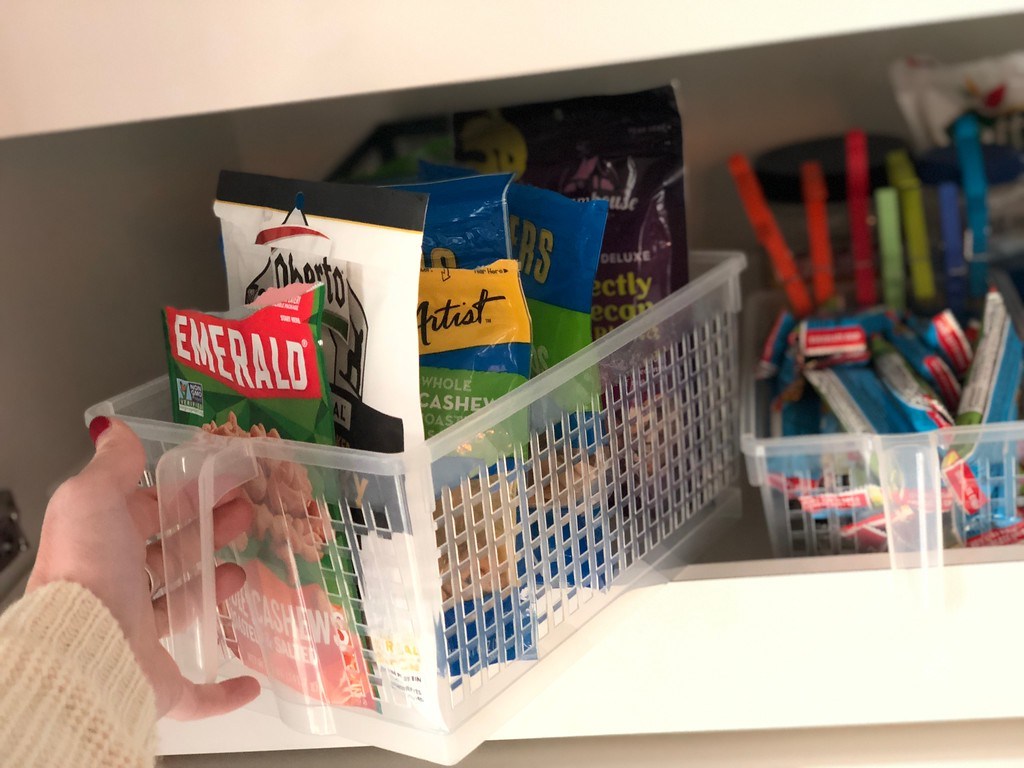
{"x":259,"y":372}
{"x":797,"y":411}
{"x":626,"y":150}
{"x":842,"y":340}
{"x":921,"y":406}
{"x":364,"y":244}
{"x":775,"y":345}
{"x":928,"y":365}
{"x":474,"y":344}
{"x":859,"y":400}
{"x":820,"y":504}
{"x":263,"y":364}
{"x":557,"y":242}
{"x":796,"y":408}
{"x":466,"y":223}
{"x":944,"y":334}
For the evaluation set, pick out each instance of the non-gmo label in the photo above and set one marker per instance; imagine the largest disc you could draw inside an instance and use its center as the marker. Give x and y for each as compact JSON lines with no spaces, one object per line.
{"x":190,"y":397}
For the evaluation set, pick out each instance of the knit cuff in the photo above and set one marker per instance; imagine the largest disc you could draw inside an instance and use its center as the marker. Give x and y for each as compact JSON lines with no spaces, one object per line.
{"x":71,"y":635}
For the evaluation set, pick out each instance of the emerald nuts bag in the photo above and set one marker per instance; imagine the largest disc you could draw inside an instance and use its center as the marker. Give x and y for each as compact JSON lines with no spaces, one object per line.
{"x":261,"y":366}
{"x":258,"y":372}
{"x":364,"y":245}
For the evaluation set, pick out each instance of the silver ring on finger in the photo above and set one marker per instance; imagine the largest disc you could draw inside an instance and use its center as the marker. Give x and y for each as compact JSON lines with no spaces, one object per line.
{"x":153,"y":586}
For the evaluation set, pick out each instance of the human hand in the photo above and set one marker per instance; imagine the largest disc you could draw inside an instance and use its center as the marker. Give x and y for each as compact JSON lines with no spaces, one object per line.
{"x":95,"y":532}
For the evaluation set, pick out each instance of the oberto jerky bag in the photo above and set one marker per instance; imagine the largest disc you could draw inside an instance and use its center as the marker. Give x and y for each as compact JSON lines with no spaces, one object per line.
{"x":363,"y":243}
{"x":625,"y":149}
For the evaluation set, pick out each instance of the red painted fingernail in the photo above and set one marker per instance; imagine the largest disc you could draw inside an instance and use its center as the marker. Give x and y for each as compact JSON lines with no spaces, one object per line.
{"x":97,"y":427}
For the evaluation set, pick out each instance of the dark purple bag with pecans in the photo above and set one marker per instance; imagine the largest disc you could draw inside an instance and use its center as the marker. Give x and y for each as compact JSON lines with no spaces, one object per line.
{"x":626,"y":149}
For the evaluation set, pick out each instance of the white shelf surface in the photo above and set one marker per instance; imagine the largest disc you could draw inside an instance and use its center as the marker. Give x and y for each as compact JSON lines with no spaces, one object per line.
{"x":67,"y":66}
{"x":799,"y":650}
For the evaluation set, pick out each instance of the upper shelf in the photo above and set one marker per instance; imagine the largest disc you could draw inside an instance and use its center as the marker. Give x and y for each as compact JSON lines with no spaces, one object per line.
{"x":65,"y":66}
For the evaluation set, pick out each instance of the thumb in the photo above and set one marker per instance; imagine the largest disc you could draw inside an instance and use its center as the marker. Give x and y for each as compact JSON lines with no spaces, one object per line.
{"x":120,"y":458}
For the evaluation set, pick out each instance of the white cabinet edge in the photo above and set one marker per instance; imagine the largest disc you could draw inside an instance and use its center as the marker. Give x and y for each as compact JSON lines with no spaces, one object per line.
{"x":66,"y":66}
{"x":800,"y":650}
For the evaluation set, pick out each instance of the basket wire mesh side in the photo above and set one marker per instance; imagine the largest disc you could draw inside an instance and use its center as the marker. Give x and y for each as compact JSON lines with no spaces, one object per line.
{"x":462,"y":564}
{"x":593,"y":493}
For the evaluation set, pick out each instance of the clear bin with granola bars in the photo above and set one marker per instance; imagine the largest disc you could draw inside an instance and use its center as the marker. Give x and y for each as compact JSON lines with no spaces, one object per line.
{"x":859,"y":493}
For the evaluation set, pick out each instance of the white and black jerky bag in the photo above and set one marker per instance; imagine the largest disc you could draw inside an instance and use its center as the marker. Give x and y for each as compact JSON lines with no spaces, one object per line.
{"x":364,"y":244}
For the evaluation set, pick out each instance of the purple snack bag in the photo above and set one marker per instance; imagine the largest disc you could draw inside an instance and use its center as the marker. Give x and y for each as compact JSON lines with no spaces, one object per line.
{"x":626,"y":149}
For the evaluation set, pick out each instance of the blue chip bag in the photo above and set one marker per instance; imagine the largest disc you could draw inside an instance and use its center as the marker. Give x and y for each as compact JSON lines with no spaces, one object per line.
{"x":474,"y":347}
{"x":466,"y":225}
{"x":557,"y":242}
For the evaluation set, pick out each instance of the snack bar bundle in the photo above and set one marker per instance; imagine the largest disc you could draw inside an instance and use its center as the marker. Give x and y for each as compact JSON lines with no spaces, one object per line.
{"x":880,"y":372}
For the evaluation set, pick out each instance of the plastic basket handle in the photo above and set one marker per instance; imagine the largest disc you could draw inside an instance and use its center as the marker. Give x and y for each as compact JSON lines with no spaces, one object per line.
{"x":910,"y":474}
{"x":191,"y":479}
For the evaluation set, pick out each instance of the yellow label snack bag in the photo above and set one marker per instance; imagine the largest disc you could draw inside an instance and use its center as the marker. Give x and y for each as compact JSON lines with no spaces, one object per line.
{"x":474,"y":335}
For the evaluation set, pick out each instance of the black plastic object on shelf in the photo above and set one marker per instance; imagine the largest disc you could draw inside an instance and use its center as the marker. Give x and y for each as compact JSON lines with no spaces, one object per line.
{"x":12,"y":540}
{"x":778,"y":169}
{"x":1003,"y":165}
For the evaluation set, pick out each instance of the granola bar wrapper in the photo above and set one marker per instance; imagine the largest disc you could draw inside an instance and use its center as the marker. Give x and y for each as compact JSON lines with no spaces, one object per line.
{"x":983,"y":479}
{"x":258,"y":372}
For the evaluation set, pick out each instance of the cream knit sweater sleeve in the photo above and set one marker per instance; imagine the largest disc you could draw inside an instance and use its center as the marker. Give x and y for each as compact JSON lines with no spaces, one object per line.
{"x":71,"y":692}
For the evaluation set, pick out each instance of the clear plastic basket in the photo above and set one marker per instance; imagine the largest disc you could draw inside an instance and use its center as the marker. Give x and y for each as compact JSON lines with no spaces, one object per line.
{"x":859,"y":493}
{"x":392,"y":598}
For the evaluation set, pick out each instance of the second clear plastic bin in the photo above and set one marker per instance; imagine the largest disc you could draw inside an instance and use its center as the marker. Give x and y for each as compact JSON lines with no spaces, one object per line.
{"x":392,"y":598}
{"x":860,"y":493}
